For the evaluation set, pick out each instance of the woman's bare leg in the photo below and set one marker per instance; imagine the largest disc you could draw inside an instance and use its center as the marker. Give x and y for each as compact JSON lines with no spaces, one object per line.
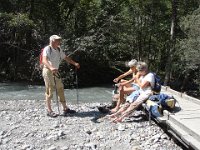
{"x":120,"y":112}
{"x":133,"y":106}
{"x":122,"y":91}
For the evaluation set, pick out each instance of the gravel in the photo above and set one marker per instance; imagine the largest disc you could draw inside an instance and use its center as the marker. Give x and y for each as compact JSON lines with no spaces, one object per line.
{"x":25,"y":126}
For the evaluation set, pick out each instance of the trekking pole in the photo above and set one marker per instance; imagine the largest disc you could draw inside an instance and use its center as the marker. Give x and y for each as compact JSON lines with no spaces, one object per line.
{"x":54,"y":76}
{"x":77,"y":94}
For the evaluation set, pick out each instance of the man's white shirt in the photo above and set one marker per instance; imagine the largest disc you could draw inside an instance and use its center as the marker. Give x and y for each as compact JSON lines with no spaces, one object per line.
{"x":54,"y":56}
{"x":150,"y":78}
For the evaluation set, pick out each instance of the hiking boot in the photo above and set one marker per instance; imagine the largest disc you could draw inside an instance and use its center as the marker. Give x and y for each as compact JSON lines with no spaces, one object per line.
{"x":68,"y":111}
{"x":52,"y":114}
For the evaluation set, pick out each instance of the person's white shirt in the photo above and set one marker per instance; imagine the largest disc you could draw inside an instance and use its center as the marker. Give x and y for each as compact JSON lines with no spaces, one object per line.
{"x":150,"y":78}
{"x":54,"y":56}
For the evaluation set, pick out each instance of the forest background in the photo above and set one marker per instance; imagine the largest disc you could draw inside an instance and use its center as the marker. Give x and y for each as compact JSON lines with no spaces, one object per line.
{"x":102,"y":35}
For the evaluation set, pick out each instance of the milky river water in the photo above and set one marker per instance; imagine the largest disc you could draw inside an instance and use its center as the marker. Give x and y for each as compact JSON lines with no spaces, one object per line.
{"x":19,"y":91}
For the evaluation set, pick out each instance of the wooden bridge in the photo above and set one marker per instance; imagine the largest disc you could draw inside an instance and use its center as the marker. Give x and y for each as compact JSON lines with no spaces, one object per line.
{"x":185,"y":123}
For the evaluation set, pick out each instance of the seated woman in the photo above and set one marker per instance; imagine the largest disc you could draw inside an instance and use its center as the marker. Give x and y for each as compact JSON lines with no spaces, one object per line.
{"x":125,"y":86}
{"x":146,"y":81}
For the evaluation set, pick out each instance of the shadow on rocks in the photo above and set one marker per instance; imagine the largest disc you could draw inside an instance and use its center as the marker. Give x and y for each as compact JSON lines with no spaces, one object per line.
{"x":137,"y":118}
{"x":95,"y":115}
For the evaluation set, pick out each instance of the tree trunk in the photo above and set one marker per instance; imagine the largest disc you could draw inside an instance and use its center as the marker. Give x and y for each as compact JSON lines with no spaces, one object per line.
{"x":185,"y":82}
{"x":172,"y":44}
{"x":29,"y":32}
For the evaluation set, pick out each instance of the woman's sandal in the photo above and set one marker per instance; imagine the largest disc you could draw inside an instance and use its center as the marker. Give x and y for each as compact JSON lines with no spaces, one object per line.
{"x":52,"y":114}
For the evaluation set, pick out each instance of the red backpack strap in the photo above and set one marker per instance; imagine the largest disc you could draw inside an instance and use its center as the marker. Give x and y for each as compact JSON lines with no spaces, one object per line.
{"x":41,"y":55}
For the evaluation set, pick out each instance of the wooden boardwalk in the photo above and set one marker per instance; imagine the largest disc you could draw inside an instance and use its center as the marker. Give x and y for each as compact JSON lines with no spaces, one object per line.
{"x":185,"y":122}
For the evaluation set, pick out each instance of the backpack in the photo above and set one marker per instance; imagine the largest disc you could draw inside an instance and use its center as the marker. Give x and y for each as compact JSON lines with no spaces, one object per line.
{"x":166,"y":101}
{"x":154,"y":108}
{"x":41,"y":56}
{"x":157,"y":86}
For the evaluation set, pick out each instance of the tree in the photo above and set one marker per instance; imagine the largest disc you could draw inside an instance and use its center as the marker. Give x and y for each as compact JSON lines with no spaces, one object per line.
{"x":100,"y":33}
{"x":172,"y":42}
{"x":190,"y":49}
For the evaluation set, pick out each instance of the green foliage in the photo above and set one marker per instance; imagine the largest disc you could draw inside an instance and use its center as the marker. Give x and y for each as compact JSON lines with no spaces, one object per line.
{"x":20,"y":21}
{"x":190,"y":46}
{"x":98,"y":33}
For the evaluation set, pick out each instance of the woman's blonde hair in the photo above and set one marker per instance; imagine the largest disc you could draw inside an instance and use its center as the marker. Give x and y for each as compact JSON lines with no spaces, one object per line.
{"x":132,"y":63}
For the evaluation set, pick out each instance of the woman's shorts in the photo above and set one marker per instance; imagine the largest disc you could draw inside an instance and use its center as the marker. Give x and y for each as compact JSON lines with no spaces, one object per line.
{"x":133,"y":96}
{"x":135,"y":86}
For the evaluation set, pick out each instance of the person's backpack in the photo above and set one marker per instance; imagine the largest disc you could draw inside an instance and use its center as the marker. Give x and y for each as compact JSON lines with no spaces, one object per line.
{"x":157,"y":86}
{"x":166,"y":101}
{"x":154,"y":108}
{"x":41,"y":55}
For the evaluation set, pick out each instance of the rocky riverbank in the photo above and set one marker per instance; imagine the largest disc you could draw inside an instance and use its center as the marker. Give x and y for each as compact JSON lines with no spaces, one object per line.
{"x":25,"y":126}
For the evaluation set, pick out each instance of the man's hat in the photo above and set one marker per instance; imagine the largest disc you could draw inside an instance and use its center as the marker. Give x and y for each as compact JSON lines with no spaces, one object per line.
{"x":54,"y":37}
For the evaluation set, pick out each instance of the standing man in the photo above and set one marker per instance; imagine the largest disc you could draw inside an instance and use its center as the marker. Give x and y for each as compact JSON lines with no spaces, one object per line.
{"x":51,"y":58}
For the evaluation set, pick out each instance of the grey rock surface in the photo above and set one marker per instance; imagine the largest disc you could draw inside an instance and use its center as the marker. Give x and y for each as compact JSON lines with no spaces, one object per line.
{"x":25,"y":126}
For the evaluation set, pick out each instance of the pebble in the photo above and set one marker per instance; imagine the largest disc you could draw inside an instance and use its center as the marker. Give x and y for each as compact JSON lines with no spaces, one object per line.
{"x":7,"y":134}
{"x":65,"y":148}
{"x":53,"y":137}
{"x":2,"y":133}
{"x":5,"y":141}
{"x":164,"y":136}
{"x":61,"y":133}
{"x":25,"y":147}
{"x":121,"y":127}
{"x":93,"y":146}
{"x":8,"y":118}
{"x":88,"y":132}
{"x":52,"y":147}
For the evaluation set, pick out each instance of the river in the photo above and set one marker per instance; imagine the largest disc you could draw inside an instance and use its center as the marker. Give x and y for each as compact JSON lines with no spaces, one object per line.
{"x":21,"y":91}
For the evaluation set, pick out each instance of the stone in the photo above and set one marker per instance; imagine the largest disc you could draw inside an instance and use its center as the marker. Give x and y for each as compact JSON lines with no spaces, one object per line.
{"x":25,"y":147}
{"x":121,"y":127}
{"x":61,"y":133}
{"x":155,"y":140}
{"x":65,"y":148}
{"x":164,"y":136}
{"x":52,"y":147}
{"x":7,"y":134}
{"x":2,"y":133}
{"x":94,"y":129}
{"x":44,"y":135}
{"x":53,"y":137}
{"x":8,"y":118}
{"x":93,"y":146}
